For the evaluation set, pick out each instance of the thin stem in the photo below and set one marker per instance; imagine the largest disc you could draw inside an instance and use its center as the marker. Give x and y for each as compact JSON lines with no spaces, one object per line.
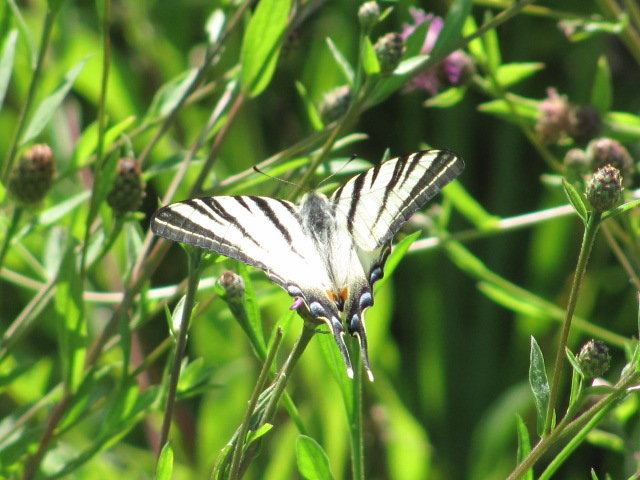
{"x":251,"y":407}
{"x":189,"y":301}
{"x":102,"y":121}
{"x":628,"y":35}
{"x":356,"y":427}
{"x":588,"y":238}
{"x":570,"y":429}
{"x":42,"y":49}
{"x":13,"y":227}
{"x":308,"y":331}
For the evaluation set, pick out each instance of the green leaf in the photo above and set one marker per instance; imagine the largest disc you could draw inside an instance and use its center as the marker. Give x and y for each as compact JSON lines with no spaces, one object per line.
{"x":526,"y":108}
{"x":310,"y":107}
{"x":623,"y":126}
{"x":414,"y":43}
{"x":573,"y":361}
{"x":88,"y":142}
{"x":471,"y":209}
{"x":50,"y":104}
{"x":539,"y":383}
{"x":370,"y":62}
{"x":250,"y":302}
{"x":452,"y":29}
{"x":575,"y":199}
{"x":602,"y":91}
{"x":313,"y":463}
{"x":261,"y":44}
{"x":512,"y":301}
{"x":620,"y":209}
{"x":397,"y":254}
{"x":509,"y":74}
{"x":72,"y":329}
{"x":342,"y":62}
{"x":6,"y":63}
{"x":448,"y":98}
{"x":259,"y":433}
{"x":164,"y":469}
{"x":608,"y":440}
{"x":169,"y":95}
{"x":524,"y":445}
{"x":491,"y":45}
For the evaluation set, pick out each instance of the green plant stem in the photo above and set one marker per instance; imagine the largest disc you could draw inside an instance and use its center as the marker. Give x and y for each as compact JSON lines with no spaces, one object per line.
{"x":629,"y":35}
{"x":308,"y":331}
{"x":591,"y":228}
{"x":94,"y":201}
{"x":355,"y":426}
{"x":571,"y":429}
{"x":251,"y":407}
{"x":13,"y":227}
{"x":26,"y":107}
{"x":189,"y":301}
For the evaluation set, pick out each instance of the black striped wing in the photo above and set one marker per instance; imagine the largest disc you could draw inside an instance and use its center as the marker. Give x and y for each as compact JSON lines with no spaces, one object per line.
{"x":262,"y":232}
{"x":376,"y":203}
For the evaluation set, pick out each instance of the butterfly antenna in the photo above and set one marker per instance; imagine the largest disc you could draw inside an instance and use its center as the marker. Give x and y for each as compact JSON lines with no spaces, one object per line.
{"x":326,"y":179}
{"x":257,"y":170}
{"x":338,"y":334}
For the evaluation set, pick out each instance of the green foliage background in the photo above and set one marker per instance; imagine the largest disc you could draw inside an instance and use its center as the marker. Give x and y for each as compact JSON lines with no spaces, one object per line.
{"x":450,"y":332}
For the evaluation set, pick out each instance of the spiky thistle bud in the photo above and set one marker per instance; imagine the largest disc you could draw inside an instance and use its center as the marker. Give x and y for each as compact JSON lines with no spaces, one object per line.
{"x":606,"y":151}
{"x":585,"y":124}
{"x":32,"y":177}
{"x":335,"y":104}
{"x":368,"y":15}
{"x":128,"y":188}
{"x":554,"y":119}
{"x":605,"y":188}
{"x":594,"y":358}
{"x":389,"y":49}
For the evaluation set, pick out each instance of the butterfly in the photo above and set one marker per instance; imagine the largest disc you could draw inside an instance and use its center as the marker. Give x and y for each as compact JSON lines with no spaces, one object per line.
{"x":326,"y":252}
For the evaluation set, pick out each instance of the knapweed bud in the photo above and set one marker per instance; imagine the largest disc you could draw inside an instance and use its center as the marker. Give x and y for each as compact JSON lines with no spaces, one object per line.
{"x":606,"y":151}
{"x":32,"y":177}
{"x":585,"y":124}
{"x":555,"y":117}
{"x":594,"y":358}
{"x":128,"y":188}
{"x":368,"y":15}
{"x":575,"y":161}
{"x":605,"y":188}
{"x":456,"y":70}
{"x":232,"y":285}
{"x":389,"y":49}
{"x":335,"y":104}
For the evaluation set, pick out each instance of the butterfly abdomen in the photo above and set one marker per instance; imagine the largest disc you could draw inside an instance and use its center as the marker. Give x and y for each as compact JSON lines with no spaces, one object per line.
{"x":317,"y":216}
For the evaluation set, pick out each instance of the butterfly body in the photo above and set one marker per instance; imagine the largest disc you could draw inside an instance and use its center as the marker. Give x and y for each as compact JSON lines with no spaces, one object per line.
{"x":326,"y":251}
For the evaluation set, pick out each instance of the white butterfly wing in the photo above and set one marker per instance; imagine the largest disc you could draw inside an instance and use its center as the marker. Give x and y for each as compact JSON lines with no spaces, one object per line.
{"x":376,"y":203}
{"x":371,"y":208}
{"x":262,"y":232}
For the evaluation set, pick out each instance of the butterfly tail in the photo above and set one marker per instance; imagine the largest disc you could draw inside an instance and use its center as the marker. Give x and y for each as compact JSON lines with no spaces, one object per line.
{"x":338,"y":334}
{"x":356,"y":328}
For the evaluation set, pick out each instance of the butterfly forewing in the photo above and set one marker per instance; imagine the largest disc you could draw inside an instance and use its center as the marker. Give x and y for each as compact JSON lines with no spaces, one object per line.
{"x":376,"y":203}
{"x":262,"y":232}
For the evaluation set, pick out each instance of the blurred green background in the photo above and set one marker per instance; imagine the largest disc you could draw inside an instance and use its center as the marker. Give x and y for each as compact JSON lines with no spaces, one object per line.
{"x":451,"y":363}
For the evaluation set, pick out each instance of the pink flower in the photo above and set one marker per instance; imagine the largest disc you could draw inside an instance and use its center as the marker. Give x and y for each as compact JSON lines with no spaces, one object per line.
{"x":454,"y":70}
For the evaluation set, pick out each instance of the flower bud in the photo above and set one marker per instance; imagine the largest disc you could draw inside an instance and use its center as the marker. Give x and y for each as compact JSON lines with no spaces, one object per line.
{"x":335,"y":104}
{"x":594,"y":358}
{"x":389,"y":50}
{"x":576,"y":161}
{"x":457,"y":69}
{"x":606,"y":151}
{"x":554,"y":119}
{"x":232,"y":285}
{"x":128,"y":188}
{"x":368,"y":15}
{"x":605,"y":188}
{"x":585,"y":124}
{"x":32,"y":177}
